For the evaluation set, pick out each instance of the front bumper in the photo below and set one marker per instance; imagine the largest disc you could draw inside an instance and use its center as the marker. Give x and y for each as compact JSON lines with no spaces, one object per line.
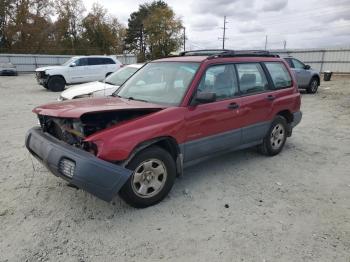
{"x":98,"y":177}
{"x":41,"y":77}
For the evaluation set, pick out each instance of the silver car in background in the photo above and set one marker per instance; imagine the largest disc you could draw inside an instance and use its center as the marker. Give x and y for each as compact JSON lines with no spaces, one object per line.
{"x":8,"y":69}
{"x":307,"y":77}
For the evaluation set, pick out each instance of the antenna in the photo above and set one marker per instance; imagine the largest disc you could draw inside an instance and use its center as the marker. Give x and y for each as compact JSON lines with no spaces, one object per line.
{"x":224,"y":38}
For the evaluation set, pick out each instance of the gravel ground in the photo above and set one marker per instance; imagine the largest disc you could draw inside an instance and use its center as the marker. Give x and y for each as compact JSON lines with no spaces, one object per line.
{"x":238,"y":207}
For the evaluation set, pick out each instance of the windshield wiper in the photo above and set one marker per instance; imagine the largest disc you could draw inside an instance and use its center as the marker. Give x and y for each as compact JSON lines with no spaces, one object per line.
{"x":110,"y":83}
{"x":136,"y":99}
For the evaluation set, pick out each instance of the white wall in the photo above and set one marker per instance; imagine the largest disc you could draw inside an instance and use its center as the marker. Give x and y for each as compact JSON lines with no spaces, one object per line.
{"x":335,"y":60}
{"x":28,"y":63}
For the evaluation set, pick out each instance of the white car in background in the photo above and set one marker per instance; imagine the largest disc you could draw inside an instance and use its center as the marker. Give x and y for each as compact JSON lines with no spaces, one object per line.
{"x":78,"y":69}
{"x":102,"y":88}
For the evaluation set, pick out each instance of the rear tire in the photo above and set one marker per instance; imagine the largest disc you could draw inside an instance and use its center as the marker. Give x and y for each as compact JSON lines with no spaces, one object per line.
{"x":56,"y":83}
{"x":154,"y":173}
{"x":313,"y":86}
{"x":275,"y":138}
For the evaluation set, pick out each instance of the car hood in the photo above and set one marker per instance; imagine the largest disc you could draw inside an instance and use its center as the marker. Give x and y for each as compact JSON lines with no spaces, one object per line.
{"x":77,"y":108}
{"x":48,"y":68}
{"x":85,"y":89}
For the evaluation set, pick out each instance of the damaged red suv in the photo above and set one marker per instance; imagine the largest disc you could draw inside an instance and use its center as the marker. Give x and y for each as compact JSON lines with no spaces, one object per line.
{"x":169,"y":114}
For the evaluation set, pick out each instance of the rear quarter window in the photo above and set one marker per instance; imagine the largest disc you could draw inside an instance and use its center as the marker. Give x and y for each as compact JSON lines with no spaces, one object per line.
{"x":279,"y":74}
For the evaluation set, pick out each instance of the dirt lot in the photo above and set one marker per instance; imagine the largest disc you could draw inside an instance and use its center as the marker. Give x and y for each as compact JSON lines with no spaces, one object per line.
{"x":292,"y":207}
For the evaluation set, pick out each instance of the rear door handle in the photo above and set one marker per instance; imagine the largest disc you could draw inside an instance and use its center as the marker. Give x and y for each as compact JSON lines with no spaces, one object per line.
{"x":233,"y":106}
{"x":270,"y":97}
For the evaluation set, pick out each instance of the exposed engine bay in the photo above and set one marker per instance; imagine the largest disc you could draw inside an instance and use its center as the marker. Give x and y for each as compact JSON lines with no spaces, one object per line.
{"x":74,"y":131}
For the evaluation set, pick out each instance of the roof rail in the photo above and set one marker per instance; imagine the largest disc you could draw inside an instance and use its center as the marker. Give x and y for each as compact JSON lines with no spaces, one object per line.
{"x":244,"y":53}
{"x":203,"y":52}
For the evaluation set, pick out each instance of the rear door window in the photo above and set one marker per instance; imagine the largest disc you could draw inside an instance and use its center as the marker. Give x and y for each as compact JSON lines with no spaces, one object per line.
{"x":251,"y":78}
{"x":221,"y":80}
{"x":95,"y":61}
{"x":279,"y":74}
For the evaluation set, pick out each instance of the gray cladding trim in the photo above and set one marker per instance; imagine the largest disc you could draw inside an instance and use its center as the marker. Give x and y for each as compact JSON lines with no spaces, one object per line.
{"x":226,"y":141}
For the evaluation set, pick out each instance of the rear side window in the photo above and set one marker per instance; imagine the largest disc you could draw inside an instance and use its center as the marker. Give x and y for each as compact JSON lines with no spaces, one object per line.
{"x":252,"y":78}
{"x":279,"y":74}
{"x":221,"y":80}
{"x":108,"y":61}
{"x":289,"y":61}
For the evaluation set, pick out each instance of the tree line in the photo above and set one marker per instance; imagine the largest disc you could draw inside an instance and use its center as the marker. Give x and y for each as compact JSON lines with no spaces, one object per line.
{"x":66,"y":27}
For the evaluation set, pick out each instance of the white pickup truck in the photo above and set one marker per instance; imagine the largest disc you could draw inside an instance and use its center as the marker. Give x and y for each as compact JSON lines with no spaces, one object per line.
{"x":78,"y":69}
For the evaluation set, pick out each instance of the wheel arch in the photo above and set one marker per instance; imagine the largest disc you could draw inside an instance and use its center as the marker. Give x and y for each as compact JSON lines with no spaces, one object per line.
{"x":317,"y":77}
{"x":287,"y":115}
{"x":59,"y":75}
{"x":167,"y":143}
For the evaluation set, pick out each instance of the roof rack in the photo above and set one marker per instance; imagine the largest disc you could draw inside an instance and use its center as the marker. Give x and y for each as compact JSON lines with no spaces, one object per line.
{"x":204,"y":52}
{"x":244,"y":53}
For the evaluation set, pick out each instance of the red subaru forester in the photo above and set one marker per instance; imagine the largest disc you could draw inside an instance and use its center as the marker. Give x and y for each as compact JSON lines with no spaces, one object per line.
{"x":170,"y":113}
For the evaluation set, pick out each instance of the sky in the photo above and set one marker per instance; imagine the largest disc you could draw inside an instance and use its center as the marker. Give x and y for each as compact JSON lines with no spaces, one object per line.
{"x":298,"y":23}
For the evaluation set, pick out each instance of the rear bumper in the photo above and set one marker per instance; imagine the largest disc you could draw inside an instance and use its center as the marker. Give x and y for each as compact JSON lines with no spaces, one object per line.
{"x":98,"y":177}
{"x":8,"y":73}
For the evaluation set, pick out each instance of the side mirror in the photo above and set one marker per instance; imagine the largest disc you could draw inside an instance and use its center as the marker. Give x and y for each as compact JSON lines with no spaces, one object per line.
{"x":204,"y":97}
{"x":307,"y":67}
{"x":73,"y":65}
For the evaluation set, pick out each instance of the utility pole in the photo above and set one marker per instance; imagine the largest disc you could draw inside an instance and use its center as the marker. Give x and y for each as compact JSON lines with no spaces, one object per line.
{"x":184,"y":39}
{"x":224,"y":33}
{"x":265,"y":42}
{"x":284,"y":44}
{"x":141,"y":43}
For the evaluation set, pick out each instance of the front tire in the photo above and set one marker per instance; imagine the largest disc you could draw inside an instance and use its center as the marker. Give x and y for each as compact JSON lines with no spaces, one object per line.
{"x":154,"y":173}
{"x":313,"y":86}
{"x":276,"y":137}
{"x":56,"y":83}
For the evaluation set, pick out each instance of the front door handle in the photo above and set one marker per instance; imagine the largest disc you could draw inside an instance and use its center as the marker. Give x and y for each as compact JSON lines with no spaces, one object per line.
{"x":233,"y":106}
{"x":270,"y":97}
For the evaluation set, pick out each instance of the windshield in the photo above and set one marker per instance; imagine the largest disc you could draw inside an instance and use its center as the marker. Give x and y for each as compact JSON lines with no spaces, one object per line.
{"x":70,"y":60}
{"x":119,"y":77}
{"x":160,"y":82}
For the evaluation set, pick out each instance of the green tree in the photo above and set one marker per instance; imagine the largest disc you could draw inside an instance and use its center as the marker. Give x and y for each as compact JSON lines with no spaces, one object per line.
{"x":6,"y":7}
{"x":163,"y":32}
{"x":26,"y":25}
{"x":68,"y":26}
{"x":103,"y":32}
{"x":144,"y":26}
